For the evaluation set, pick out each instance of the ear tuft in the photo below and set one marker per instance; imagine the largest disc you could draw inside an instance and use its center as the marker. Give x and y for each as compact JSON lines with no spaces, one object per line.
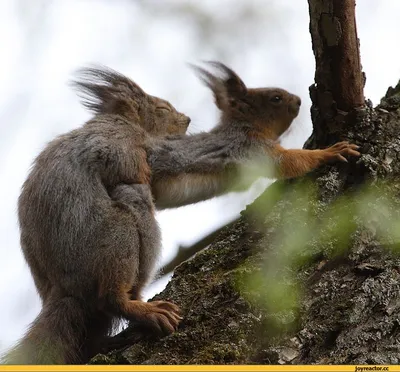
{"x":233,"y":83}
{"x":105,"y":91}
{"x":226,"y":88}
{"x":206,"y":77}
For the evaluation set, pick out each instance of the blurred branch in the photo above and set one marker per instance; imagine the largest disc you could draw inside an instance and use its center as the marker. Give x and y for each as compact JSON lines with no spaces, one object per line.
{"x":185,"y":252}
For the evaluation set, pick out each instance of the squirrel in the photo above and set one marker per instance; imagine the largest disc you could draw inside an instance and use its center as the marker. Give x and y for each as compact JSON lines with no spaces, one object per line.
{"x":88,"y":230}
{"x":190,"y":168}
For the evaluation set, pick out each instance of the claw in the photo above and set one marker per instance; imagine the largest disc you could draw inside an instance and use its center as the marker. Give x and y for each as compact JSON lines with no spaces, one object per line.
{"x":165,"y":315}
{"x":338,"y":150}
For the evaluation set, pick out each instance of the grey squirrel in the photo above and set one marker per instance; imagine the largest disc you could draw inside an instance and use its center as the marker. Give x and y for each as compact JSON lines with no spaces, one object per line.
{"x":86,"y":212}
{"x":88,"y":231}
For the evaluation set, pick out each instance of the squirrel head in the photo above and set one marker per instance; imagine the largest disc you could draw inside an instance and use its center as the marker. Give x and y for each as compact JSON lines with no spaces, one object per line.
{"x":160,"y":118}
{"x":105,"y":91}
{"x":267,"y":111}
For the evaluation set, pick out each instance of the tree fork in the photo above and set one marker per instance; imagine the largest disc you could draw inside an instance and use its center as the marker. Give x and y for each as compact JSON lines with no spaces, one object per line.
{"x":339,"y":80}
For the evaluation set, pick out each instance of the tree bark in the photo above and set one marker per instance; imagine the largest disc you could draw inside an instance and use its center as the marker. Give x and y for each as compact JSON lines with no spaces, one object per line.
{"x":310,"y":272}
{"x":184,"y":253}
{"x":339,"y":80}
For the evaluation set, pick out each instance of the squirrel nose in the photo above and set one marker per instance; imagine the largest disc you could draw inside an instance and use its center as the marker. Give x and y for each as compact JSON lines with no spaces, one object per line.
{"x":298,"y":101}
{"x":188,"y":121}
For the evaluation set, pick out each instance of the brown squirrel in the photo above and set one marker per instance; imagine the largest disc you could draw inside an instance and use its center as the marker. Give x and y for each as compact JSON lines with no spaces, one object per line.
{"x":88,"y":231}
{"x":189,"y":168}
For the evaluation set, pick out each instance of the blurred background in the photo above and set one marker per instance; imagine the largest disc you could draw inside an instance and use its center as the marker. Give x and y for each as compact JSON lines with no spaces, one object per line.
{"x":44,"y":41}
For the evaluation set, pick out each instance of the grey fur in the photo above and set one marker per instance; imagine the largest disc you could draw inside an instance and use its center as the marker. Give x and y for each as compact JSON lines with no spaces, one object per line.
{"x":75,"y":237}
{"x":88,"y":231}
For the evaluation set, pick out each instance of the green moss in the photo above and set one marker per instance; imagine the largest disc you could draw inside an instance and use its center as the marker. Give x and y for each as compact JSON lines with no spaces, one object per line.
{"x":221,"y":353}
{"x":111,"y":358}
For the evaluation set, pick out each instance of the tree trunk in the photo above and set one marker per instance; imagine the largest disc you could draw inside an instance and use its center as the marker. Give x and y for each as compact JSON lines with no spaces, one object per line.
{"x":310,"y":272}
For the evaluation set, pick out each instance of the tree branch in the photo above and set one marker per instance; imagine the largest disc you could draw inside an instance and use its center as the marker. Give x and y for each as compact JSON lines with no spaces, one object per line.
{"x":339,"y":80}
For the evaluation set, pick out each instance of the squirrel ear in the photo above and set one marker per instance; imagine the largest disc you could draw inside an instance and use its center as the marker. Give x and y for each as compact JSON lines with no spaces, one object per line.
{"x":226,"y":88}
{"x":214,"y":83}
{"x":234,"y":85}
{"x":206,"y":77}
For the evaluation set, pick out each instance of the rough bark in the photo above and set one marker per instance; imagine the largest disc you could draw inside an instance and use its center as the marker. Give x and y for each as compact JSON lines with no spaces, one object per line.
{"x":303,"y":276}
{"x":184,"y":253}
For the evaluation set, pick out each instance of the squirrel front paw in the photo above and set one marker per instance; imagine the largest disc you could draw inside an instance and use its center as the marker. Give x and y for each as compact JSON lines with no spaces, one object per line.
{"x":339,"y":150}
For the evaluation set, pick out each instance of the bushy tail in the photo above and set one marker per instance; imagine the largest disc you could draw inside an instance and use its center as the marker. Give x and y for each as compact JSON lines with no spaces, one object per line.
{"x":56,"y":336}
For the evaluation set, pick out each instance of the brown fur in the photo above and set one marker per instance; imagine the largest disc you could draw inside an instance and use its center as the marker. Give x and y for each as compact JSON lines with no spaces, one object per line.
{"x":296,"y":163}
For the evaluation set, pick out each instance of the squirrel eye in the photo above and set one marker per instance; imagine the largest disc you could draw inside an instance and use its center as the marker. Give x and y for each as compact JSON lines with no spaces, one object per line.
{"x":276,"y":99}
{"x":163,"y":108}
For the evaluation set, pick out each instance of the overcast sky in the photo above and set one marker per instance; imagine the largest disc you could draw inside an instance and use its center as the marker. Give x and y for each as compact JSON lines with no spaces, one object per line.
{"x":43,"y":42}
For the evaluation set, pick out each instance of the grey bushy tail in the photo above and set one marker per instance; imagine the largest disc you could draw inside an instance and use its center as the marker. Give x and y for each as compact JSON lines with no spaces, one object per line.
{"x":56,"y":336}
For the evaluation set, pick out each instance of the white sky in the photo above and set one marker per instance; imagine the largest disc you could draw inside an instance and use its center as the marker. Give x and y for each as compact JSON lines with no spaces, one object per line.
{"x":42,"y":46}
